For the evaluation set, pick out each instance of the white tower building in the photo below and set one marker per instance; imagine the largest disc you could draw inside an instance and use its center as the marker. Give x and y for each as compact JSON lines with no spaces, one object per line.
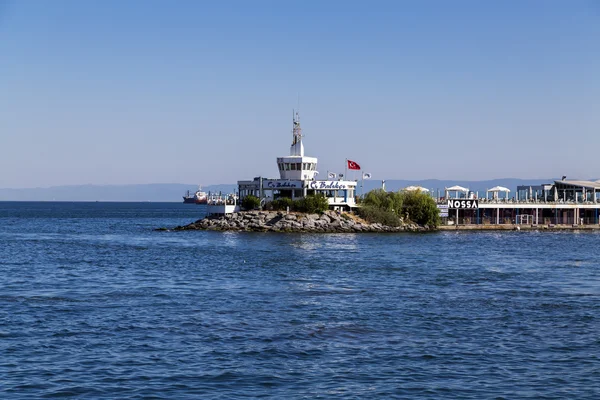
{"x":298,"y":178}
{"x":297,"y":166}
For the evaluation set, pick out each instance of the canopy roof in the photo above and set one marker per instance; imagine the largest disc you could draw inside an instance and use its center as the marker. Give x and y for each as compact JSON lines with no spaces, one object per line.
{"x":499,"y":189}
{"x":578,"y":184}
{"x":411,"y":188}
{"x":457,"y":188}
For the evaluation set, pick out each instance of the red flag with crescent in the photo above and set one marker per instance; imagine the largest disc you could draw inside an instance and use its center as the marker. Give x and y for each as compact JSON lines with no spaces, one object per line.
{"x":353,"y":165}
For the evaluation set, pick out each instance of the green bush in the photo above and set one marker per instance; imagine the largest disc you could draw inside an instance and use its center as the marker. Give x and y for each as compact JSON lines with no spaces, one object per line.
{"x":421,"y":208}
{"x":386,"y":207}
{"x":250,"y":202}
{"x":374,"y":214}
{"x":387,"y":201}
{"x":281,"y":204}
{"x":312,"y":204}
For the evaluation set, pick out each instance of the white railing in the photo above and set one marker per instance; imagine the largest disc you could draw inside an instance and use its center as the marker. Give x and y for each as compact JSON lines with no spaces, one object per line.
{"x":217,"y":200}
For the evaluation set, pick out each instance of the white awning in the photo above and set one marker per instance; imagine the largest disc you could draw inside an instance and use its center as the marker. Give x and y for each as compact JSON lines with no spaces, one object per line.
{"x":499,"y":189}
{"x":457,"y":189}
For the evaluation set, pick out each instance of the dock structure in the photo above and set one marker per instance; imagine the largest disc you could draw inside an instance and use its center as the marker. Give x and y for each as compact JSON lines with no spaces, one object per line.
{"x":563,"y":202}
{"x":218,"y":204}
{"x":298,"y":177}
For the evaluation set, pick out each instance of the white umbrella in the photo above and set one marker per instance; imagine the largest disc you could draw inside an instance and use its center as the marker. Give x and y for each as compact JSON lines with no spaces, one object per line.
{"x":412,"y":188}
{"x":457,"y":189}
{"x":496,"y":189}
{"x":499,"y":189}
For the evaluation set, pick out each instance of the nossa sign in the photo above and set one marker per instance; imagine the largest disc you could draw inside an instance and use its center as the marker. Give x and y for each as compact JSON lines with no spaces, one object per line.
{"x":466,"y":204}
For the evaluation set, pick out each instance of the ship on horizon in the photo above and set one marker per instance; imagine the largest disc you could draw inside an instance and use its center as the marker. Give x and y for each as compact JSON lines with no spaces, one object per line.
{"x":199,"y":197}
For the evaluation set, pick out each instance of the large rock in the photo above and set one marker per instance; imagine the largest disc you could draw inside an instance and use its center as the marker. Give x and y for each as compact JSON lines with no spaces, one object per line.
{"x":309,"y":224}
{"x":325,"y":218}
{"x":276,"y":221}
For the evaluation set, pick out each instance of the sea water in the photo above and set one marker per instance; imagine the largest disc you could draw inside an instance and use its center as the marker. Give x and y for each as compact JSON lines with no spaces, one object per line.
{"x":94,"y":303}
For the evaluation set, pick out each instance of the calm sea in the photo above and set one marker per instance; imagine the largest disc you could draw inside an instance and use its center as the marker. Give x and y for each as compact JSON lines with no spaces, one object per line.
{"x":96,"y":304}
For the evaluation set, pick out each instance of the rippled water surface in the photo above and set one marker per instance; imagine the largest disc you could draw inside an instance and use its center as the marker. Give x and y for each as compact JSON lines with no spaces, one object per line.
{"x":96,"y":304}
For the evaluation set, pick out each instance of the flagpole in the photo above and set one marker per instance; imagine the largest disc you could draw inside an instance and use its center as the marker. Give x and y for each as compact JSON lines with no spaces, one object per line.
{"x":362,"y":182}
{"x":346,"y":169}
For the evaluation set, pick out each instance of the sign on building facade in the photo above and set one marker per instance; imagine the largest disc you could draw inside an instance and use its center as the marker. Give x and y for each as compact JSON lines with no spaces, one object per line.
{"x":463,"y":204}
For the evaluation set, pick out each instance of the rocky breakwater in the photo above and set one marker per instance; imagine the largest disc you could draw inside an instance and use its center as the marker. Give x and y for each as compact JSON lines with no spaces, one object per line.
{"x":274,"y":221}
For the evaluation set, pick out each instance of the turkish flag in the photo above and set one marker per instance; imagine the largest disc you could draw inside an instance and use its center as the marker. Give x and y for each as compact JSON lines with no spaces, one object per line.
{"x":353,"y":165}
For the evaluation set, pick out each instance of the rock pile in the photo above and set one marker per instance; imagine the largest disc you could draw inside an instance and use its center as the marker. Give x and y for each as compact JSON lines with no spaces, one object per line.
{"x":277,"y":221}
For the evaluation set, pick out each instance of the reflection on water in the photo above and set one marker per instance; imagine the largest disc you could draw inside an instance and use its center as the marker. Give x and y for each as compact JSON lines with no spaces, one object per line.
{"x":324,"y":242}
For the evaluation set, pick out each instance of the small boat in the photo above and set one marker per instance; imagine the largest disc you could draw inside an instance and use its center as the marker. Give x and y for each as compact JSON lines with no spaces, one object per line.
{"x":199,"y":197}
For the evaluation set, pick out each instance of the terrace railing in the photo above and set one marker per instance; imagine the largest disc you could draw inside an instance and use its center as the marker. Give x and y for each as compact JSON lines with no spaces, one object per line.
{"x":528,"y":201}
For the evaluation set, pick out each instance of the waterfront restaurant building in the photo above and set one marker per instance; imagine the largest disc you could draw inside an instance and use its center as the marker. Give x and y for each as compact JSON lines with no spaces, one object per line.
{"x":564,"y":202}
{"x":298,"y":177}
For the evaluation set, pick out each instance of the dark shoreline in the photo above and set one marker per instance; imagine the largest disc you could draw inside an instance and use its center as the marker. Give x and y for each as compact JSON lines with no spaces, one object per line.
{"x":280,"y":221}
{"x":515,"y":227}
{"x":332,"y":222}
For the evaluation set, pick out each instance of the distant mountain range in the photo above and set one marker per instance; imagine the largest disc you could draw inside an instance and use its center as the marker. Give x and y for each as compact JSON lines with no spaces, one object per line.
{"x":156,"y":192}
{"x":166,"y":192}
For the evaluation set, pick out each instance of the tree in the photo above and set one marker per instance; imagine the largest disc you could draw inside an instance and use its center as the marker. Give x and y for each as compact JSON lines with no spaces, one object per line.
{"x":381,"y":207}
{"x":421,"y":208}
{"x":387,"y":207}
{"x":386,"y":201}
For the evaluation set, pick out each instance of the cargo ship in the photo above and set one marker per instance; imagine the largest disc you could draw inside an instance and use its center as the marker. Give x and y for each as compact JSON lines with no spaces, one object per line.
{"x":199,"y":197}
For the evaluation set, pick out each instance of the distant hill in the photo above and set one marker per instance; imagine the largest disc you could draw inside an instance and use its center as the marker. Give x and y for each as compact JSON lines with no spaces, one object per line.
{"x":159,"y":192}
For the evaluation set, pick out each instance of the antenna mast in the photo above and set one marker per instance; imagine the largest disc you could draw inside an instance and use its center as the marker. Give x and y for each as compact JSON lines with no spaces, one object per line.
{"x":297,"y":130}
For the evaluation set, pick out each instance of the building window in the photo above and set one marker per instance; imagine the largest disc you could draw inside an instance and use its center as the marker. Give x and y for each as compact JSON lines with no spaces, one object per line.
{"x":293,"y":166}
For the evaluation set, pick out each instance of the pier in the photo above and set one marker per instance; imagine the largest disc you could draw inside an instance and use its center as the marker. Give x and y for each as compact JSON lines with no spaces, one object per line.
{"x":566,"y":204}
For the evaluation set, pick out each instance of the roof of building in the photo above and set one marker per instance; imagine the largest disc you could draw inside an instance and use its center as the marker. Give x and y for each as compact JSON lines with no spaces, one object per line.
{"x":580,"y":184}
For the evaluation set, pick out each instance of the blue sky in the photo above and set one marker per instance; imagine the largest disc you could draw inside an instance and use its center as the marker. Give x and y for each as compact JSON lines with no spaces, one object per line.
{"x":112,"y":92}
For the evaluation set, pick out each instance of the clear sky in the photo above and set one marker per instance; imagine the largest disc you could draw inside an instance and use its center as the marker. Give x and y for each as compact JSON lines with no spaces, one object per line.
{"x":118,"y":92}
